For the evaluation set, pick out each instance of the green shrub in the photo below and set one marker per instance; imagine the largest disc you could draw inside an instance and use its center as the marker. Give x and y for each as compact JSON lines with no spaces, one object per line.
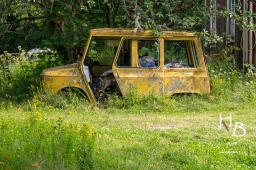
{"x":224,"y":76}
{"x":6,"y":61}
{"x":228,"y":83}
{"x":20,"y":75}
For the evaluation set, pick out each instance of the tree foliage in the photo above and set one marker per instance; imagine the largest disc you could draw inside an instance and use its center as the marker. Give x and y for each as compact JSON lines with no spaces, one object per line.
{"x":63,"y":25}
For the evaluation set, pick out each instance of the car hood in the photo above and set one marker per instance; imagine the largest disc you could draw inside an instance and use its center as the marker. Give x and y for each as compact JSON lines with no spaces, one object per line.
{"x":66,"y":70}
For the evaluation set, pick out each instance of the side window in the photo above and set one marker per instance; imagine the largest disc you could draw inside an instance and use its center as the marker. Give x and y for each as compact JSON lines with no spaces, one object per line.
{"x":148,"y":53}
{"x":138,"y":53}
{"x":102,"y":51}
{"x":180,"y":54}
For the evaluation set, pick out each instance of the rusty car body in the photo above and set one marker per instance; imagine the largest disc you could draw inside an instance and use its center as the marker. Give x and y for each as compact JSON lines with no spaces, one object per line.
{"x":124,"y":60}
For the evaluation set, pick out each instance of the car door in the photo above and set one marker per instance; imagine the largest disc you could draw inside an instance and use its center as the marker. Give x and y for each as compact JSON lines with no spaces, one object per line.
{"x":184,"y":67}
{"x":137,"y":66}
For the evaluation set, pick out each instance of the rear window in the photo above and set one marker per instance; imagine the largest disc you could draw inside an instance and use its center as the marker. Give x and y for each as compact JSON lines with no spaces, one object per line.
{"x":180,"y":54}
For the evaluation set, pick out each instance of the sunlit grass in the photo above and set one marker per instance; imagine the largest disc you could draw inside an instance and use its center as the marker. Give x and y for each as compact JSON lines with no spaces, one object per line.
{"x":182,"y":133}
{"x":49,"y":131}
{"x":43,"y":138}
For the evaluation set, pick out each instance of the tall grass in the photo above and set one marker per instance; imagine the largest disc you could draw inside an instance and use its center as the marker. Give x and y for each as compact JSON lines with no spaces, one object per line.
{"x":39,"y":140}
{"x":40,"y":131}
{"x":227,"y":82}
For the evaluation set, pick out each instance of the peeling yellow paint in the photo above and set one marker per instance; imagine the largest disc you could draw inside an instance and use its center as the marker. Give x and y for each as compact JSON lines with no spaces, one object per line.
{"x":160,"y":79}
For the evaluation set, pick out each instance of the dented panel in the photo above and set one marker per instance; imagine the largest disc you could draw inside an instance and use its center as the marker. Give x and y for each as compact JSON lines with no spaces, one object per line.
{"x":58,"y":78}
{"x":143,"y":81}
{"x":186,"y":82}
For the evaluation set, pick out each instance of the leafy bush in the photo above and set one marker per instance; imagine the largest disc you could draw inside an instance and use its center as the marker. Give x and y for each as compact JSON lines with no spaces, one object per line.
{"x":228,"y":83}
{"x":20,"y":75}
{"x":5,"y":71}
{"x":223,"y":74}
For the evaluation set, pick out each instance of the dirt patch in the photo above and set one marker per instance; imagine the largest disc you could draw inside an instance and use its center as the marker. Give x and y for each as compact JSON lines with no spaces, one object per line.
{"x":162,"y":127}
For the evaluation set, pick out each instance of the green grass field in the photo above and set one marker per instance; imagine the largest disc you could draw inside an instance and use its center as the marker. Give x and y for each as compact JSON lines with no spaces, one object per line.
{"x":178,"y":133}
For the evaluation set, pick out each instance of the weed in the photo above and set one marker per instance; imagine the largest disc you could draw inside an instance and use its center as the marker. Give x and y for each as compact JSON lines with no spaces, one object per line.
{"x":5,"y":71}
{"x":225,"y":79}
{"x":37,"y":141}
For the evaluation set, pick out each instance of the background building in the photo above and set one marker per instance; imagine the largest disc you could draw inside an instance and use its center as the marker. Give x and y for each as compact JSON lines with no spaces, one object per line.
{"x":244,"y":39}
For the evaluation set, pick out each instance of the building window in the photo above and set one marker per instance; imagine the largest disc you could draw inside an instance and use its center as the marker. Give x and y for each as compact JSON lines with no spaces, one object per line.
{"x":213,"y":18}
{"x":230,"y":26}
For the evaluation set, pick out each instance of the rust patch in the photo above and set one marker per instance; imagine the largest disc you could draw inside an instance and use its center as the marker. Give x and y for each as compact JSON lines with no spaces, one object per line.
{"x":176,"y":85}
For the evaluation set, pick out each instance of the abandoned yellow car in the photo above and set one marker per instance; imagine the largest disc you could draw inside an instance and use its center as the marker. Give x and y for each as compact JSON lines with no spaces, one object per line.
{"x":121,"y":60}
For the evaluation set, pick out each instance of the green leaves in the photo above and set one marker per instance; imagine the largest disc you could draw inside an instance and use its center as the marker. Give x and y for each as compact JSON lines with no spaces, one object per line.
{"x":64,"y":24}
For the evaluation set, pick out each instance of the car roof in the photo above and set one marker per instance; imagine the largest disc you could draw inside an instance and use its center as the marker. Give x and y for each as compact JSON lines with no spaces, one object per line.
{"x":117,"y":32}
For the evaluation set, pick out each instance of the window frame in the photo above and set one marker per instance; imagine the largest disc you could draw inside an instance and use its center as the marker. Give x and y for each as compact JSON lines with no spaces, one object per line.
{"x":133,"y":50}
{"x":191,"y":51}
{"x":105,"y":39}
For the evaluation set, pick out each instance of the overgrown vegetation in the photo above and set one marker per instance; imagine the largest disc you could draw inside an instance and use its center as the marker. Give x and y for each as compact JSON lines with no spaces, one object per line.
{"x":20,"y":74}
{"x":39,"y":131}
{"x":20,"y":78}
{"x":52,"y":131}
{"x":39,"y":139}
{"x":229,"y":83}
